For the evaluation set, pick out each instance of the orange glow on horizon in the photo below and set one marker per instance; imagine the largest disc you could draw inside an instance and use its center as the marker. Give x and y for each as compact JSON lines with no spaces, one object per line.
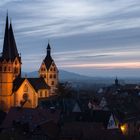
{"x":129,"y":65}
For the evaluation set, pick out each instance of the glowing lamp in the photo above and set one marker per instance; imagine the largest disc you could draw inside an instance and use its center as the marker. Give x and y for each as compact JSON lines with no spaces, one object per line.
{"x":123,"y":128}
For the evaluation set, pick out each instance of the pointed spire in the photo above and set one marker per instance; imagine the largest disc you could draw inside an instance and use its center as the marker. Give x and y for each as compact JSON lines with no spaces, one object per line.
{"x":116,"y":81}
{"x":48,"y":50}
{"x":13,"y":47}
{"x":48,"y":59}
{"x":10,"y":51}
{"x":6,"y":48}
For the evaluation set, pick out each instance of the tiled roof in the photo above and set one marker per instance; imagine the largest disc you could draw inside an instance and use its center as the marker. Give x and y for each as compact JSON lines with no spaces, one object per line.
{"x":37,"y":83}
{"x":48,"y":61}
{"x":32,"y":116}
{"x":88,"y":131}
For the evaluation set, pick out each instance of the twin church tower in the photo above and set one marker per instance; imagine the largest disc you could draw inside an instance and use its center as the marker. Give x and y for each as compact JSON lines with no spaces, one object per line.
{"x":18,"y":91}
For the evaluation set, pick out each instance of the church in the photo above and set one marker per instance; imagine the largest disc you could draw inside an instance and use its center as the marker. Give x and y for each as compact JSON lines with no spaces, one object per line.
{"x":16,"y":91}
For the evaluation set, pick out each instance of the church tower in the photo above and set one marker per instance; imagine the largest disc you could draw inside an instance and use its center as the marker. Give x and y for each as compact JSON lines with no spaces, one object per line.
{"x":10,"y":67}
{"x":48,"y":70}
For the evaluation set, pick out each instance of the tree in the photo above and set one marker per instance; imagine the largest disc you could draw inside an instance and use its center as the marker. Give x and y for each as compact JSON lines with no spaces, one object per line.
{"x":64,"y":90}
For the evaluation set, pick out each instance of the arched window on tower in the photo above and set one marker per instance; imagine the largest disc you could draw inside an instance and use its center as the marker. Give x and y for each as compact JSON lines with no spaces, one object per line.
{"x":52,"y":83}
{"x":9,"y":69}
{"x":54,"y":76}
{"x":5,"y":68}
{"x":50,"y":76}
{"x":15,"y":70}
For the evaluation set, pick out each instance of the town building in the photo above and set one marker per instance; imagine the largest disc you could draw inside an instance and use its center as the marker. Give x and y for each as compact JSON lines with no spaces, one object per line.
{"x":17,"y":91}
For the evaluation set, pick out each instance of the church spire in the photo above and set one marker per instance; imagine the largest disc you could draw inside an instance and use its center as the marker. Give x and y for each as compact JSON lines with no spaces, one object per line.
{"x":48,"y":50}
{"x":6,"y":46}
{"x":48,"y":59}
{"x":116,"y":81}
{"x":10,"y":51}
{"x":14,"y":51}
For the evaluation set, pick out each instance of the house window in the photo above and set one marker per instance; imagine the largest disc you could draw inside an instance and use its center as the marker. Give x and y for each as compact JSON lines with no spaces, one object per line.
{"x":45,"y":93}
{"x":52,"y":82}
{"x":40,"y":93}
{"x":9,"y":69}
{"x":54,"y":69}
{"x":50,"y":69}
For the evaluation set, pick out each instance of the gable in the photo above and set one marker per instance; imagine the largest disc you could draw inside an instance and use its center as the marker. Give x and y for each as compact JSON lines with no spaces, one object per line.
{"x":24,"y":83}
{"x":53,"y":67}
{"x":35,"y":83}
{"x":112,"y":123}
{"x":43,"y":67}
{"x":76,"y":108}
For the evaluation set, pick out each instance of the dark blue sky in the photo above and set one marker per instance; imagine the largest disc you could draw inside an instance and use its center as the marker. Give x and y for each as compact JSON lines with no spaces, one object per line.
{"x":90,"y":37}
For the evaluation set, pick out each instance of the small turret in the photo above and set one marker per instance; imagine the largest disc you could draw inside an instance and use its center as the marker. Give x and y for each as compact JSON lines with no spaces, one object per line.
{"x":116,"y":81}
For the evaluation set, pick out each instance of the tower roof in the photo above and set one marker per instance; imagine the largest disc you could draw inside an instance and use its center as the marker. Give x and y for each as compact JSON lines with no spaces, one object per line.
{"x":48,"y":59}
{"x":14,"y":51}
{"x":48,"y":47}
{"x":10,"y":51}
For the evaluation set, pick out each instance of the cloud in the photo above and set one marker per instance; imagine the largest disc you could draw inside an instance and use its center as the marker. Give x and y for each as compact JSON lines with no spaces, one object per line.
{"x":81,"y":31}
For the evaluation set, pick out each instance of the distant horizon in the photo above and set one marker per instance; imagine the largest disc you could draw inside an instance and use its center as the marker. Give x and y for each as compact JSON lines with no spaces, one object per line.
{"x":98,"y":76}
{"x":88,"y":37}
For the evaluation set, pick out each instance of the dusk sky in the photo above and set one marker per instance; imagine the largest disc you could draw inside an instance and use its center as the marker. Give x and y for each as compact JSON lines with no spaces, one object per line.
{"x":89,"y":37}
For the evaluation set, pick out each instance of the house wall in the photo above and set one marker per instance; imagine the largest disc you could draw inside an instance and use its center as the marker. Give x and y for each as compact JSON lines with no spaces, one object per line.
{"x":30,"y":92}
